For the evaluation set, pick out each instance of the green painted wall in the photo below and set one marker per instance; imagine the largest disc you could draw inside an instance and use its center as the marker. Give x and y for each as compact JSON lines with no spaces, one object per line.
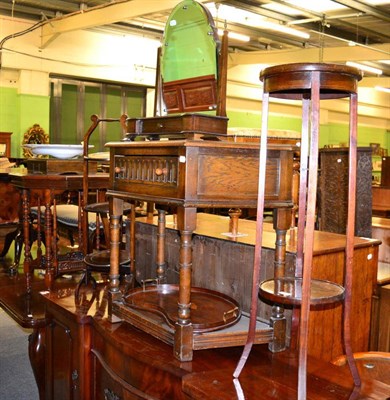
{"x":33,"y":110}
{"x":9,"y":114}
{"x":19,"y":112}
{"x":329,"y":134}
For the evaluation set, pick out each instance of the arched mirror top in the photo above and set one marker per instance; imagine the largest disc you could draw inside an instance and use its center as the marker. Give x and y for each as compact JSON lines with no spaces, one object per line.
{"x":190,"y":43}
{"x":190,"y":81}
{"x":189,"y":61}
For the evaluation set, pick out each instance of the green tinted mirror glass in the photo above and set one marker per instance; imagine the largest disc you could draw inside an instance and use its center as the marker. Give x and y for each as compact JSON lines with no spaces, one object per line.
{"x":190,"y":43}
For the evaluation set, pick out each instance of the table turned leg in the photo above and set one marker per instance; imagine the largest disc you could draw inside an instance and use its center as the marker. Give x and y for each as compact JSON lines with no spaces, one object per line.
{"x":27,"y":267}
{"x":186,"y":219}
{"x":234,"y":214}
{"x":282,"y":222}
{"x":49,"y":275}
{"x":116,"y":211}
{"x":161,"y":265}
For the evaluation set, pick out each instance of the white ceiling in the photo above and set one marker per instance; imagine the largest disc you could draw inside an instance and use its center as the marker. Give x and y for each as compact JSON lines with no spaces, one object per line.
{"x":331,"y":31}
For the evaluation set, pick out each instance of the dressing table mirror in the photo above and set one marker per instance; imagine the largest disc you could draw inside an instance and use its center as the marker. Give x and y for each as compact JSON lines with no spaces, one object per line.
{"x":190,"y":81}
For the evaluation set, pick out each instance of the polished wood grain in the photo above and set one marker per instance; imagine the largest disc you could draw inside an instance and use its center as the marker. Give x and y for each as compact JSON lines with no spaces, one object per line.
{"x":381,"y":201}
{"x":384,"y":319}
{"x":371,"y":364}
{"x":28,"y":310}
{"x":129,"y":363}
{"x":77,"y":353}
{"x":381,"y":231}
{"x":224,"y":263}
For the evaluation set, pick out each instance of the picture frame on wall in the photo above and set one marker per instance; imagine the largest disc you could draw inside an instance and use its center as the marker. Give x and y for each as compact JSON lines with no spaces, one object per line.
{"x":376,"y":149}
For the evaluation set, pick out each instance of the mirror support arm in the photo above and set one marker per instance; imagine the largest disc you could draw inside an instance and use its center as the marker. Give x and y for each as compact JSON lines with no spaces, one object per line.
{"x":222,"y":76}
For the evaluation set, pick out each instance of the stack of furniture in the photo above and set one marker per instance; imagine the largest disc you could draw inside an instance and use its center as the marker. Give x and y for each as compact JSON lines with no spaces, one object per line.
{"x":196,"y":168}
{"x":311,"y":83}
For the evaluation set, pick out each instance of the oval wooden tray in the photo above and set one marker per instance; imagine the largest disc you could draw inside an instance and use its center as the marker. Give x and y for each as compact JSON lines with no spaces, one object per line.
{"x":210,"y":310}
{"x":289,"y":291}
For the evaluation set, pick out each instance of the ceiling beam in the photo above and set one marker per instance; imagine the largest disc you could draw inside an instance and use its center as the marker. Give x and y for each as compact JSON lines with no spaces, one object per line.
{"x":329,"y":54}
{"x":365,"y":8}
{"x":103,"y":15}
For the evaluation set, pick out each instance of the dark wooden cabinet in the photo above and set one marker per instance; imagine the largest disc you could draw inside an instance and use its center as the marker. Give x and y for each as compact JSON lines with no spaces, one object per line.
{"x":126,"y":366}
{"x":67,"y":360}
{"x":5,"y":144}
{"x":333,"y":191}
{"x":385,"y":171}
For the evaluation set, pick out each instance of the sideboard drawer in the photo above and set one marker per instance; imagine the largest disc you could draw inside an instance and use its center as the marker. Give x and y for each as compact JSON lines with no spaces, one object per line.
{"x":107,"y":385}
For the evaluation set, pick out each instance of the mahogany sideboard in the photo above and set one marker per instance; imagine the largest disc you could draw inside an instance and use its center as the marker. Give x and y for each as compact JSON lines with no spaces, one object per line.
{"x":76,"y":353}
{"x":87,"y":357}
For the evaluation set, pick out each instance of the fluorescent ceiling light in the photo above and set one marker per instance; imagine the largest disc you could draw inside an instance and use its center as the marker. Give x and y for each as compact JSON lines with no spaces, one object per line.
{"x":385,"y":62}
{"x":365,"y":68}
{"x":280,"y":8}
{"x":317,"y":5}
{"x":283,"y":28}
{"x":236,"y":36}
{"x":382,"y":89}
{"x":233,"y":14}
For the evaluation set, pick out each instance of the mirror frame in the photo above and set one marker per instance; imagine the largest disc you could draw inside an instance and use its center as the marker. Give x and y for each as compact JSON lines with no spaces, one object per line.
{"x":193,"y":94}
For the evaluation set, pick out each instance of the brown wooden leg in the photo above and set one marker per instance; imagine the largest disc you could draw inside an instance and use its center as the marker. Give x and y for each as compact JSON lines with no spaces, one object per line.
{"x":234,"y":214}
{"x":26,"y":235}
{"x":160,"y":259}
{"x":49,"y":275}
{"x":132,"y":243}
{"x":186,"y":219}
{"x":36,"y":351}
{"x":116,"y":211}
{"x":282,"y":222}
{"x":374,"y":330}
{"x":149,"y":212}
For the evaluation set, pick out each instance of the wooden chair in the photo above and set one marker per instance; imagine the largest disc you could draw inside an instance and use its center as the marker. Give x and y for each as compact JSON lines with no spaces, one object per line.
{"x":98,"y":260}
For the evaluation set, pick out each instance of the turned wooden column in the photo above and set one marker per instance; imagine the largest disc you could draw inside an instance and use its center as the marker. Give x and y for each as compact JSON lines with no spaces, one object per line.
{"x":234,"y":214}
{"x":26,"y":235}
{"x":282,"y":222}
{"x":116,"y":211}
{"x":186,"y":221}
{"x":160,"y":257}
